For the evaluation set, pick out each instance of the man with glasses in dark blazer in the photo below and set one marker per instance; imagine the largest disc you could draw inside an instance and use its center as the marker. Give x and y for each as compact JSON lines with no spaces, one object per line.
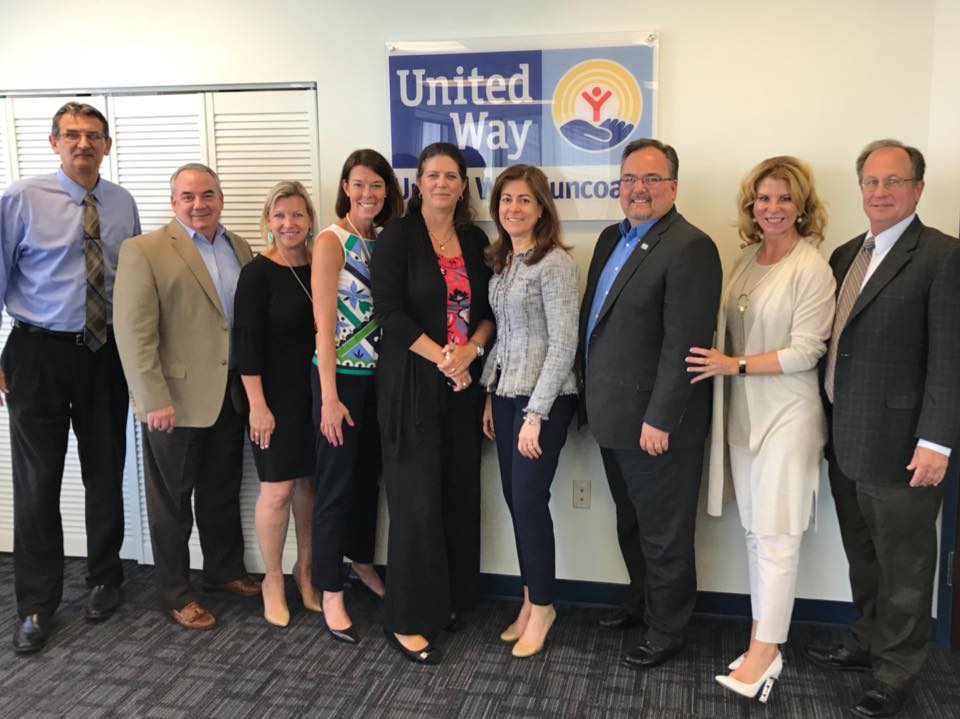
{"x":892,"y":393}
{"x":653,"y":290}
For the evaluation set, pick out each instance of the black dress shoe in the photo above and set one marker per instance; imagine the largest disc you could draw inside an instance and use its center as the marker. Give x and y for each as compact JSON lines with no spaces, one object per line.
{"x":102,"y":602}
{"x":31,"y":634}
{"x":348,"y":635}
{"x":428,"y":655}
{"x":619,"y":619}
{"x":838,"y":657}
{"x":646,"y":655}
{"x":880,"y":700}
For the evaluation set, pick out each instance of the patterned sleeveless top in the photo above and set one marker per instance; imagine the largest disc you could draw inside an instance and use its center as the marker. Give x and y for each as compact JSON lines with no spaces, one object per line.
{"x":357,"y":333}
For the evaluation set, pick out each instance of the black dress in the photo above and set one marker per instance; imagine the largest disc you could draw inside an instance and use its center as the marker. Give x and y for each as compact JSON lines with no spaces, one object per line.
{"x":274,"y":338}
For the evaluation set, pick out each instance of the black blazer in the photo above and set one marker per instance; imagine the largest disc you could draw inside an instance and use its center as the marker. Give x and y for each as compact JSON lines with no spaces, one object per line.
{"x":410,"y":299}
{"x":663,"y":302}
{"x":897,"y":377}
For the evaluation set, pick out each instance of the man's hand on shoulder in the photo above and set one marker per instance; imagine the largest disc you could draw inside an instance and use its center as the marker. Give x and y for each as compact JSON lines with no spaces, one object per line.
{"x":162,"y":420}
{"x":929,"y":467}
{"x":652,"y":440}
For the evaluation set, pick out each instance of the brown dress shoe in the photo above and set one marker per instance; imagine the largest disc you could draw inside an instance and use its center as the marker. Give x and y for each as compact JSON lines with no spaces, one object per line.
{"x":245,"y":586}
{"x":192,"y":616}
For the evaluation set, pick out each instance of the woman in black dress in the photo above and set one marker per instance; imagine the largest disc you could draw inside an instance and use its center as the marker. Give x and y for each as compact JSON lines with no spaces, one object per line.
{"x":273,"y":341}
{"x":430,"y":297}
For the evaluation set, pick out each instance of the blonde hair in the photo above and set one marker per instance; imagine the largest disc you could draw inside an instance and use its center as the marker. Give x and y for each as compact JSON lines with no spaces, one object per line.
{"x":812,"y":220}
{"x":283,"y":189}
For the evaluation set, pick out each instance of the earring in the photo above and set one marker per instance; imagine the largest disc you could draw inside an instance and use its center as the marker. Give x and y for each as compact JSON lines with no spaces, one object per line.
{"x":461,"y":199}
{"x":309,"y":234}
{"x":799,"y":219}
{"x":269,"y":237}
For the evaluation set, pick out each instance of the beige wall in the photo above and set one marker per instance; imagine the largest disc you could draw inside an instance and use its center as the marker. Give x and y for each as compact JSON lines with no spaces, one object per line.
{"x":739,"y":81}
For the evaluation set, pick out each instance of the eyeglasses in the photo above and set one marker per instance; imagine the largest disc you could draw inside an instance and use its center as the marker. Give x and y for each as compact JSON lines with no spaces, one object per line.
{"x":890,"y":183}
{"x":75,"y":135}
{"x":645,"y":180}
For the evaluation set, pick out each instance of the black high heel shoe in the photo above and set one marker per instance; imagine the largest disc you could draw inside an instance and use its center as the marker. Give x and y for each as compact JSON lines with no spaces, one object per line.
{"x":428,"y":655}
{"x":348,"y":635}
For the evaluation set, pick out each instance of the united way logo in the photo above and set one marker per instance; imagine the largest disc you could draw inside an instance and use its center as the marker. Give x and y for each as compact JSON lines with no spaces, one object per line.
{"x":596,"y":105}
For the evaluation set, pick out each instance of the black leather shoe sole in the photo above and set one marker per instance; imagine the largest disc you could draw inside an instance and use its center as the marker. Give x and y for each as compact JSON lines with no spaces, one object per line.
{"x":102,"y":603}
{"x":30,"y":637}
{"x":646,"y":656}
{"x":879,"y":703}
{"x":620,"y":621}
{"x":429,"y":655}
{"x":837,"y":659}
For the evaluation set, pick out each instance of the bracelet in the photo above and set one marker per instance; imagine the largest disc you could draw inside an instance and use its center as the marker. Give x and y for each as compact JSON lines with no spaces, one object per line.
{"x":531,"y":420}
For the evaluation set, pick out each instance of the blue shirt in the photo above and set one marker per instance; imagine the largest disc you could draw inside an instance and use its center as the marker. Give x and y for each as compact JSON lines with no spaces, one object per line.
{"x":43,"y":276}
{"x":224,"y":268}
{"x":629,"y":238}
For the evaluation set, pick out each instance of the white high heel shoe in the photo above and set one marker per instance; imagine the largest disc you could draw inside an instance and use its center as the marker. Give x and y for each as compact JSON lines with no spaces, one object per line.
{"x":735,"y":664}
{"x":761,"y":688}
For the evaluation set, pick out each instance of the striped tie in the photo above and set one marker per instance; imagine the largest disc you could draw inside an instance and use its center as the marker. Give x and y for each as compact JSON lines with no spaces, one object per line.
{"x":95,"y":325}
{"x":849,"y":292}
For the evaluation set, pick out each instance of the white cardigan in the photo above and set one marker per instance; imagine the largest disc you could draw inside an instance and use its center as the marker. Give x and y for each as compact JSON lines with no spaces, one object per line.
{"x":792,"y":312}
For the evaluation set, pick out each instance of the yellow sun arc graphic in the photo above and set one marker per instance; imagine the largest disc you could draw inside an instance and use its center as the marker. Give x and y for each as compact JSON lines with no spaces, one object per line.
{"x":625,"y":103}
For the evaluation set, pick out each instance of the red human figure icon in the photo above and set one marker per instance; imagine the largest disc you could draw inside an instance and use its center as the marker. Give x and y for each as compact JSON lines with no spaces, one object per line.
{"x":596,"y":100}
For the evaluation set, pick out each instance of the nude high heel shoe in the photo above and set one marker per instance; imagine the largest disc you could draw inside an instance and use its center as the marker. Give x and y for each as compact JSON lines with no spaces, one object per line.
{"x":528,"y":650}
{"x":275,"y":609}
{"x":759,"y":689}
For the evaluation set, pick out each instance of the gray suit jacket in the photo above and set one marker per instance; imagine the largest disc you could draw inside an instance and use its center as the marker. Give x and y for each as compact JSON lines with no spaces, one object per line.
{"x":663,"y":302}
{"x":897,"y":375}
{"x":171,"y":331}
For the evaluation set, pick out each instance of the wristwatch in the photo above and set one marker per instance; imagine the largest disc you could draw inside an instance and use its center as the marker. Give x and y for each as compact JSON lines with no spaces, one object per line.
{"x":480,"y":348}
{"x":742,"y":363}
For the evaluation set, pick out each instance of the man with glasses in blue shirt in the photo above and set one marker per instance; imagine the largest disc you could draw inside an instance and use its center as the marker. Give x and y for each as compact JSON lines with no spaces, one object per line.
{"x":60,"y":236}
{"x":891,"y":389}
{"x":653,"y":290}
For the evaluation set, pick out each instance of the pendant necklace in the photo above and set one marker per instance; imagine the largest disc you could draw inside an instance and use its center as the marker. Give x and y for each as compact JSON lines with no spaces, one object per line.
{"x":364,"y":251}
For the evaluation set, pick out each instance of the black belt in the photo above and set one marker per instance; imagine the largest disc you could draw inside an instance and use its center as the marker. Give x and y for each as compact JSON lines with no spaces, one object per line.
{"x":72,"y":337}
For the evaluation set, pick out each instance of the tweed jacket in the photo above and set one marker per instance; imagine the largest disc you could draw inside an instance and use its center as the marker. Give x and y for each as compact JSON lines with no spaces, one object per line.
{"x":172,"y":333}
{"x":896,"y":378}
{"x":536,"y":312}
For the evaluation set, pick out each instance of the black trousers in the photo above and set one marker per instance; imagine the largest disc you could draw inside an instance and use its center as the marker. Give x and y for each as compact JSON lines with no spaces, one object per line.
{"x":656,"y":530}
{"x":54,"y":384}
{"x":526,"y":488}
{"x":890,"y":538}
{"x":433,"y":492}
{"x":347,"y":484}
{"x":206,"y":462}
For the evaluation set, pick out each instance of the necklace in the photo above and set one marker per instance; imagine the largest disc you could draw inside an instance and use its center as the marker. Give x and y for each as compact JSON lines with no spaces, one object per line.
{"x":295,"y":275}
{"x":443,"y":244}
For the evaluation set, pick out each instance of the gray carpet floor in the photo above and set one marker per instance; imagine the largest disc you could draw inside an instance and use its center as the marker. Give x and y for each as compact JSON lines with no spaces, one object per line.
{"x":139,"y":664}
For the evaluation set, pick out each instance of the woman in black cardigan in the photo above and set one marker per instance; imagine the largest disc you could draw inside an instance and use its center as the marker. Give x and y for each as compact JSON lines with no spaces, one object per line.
{"x":429,"y":285}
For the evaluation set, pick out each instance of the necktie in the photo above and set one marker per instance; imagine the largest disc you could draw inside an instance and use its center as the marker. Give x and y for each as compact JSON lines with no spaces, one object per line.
{"x":849,"y":292}
{"x":95,"y":324}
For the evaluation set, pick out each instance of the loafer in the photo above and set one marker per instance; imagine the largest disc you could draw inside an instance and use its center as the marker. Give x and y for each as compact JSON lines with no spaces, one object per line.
{"x":838,"y":657}
{"x":347,"y":636}
{"x":619,"y":619}
{"x":429,"y":655}
{"x":193,"y":616}
{"x":245,"y":586}
{"x":646,"y":655}
{"x":31,"y":634}
{"x":880,"y":700}
{"x":102,"y":602}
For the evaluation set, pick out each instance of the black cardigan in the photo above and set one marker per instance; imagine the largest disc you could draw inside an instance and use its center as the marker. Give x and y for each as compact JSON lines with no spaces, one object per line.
{"x":410,"y":299}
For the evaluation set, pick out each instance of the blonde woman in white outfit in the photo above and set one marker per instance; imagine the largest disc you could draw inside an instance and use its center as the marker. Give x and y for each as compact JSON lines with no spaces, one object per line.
{"x":768,"y":428}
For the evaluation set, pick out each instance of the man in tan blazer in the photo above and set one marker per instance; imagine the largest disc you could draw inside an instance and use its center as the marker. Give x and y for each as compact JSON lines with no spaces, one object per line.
{"x":173,"y":319}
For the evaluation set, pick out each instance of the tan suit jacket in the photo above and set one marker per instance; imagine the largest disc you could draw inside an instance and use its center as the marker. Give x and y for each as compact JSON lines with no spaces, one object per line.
{"x":171,"y":330}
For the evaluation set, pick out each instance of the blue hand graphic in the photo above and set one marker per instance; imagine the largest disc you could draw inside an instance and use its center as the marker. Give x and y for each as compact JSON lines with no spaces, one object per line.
{"x":591,"y":137}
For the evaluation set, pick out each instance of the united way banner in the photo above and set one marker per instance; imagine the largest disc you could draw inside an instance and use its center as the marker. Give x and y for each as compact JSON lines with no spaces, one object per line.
{"x":570,"y":111}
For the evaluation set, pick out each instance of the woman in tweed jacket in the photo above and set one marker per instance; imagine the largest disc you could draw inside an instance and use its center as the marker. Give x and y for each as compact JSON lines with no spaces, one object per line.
{"x":529,"y":379}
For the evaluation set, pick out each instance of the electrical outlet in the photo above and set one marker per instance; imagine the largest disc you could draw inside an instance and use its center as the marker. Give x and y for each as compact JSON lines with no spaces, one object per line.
{"x":581,"y":494}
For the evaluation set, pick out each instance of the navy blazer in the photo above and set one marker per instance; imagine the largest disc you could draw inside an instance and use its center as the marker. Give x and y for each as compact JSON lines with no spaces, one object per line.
{"x":663,"y":302}
{"x":897,"y":376}
{"x":410,"y":299}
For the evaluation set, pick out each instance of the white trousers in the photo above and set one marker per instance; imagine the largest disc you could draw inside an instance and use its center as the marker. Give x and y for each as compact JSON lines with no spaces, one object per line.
{"x":772,"y":561}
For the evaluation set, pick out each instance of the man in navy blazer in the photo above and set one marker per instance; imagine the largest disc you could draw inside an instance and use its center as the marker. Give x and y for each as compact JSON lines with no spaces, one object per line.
{"x":892,"y":392}
{"x":653,"y":290}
